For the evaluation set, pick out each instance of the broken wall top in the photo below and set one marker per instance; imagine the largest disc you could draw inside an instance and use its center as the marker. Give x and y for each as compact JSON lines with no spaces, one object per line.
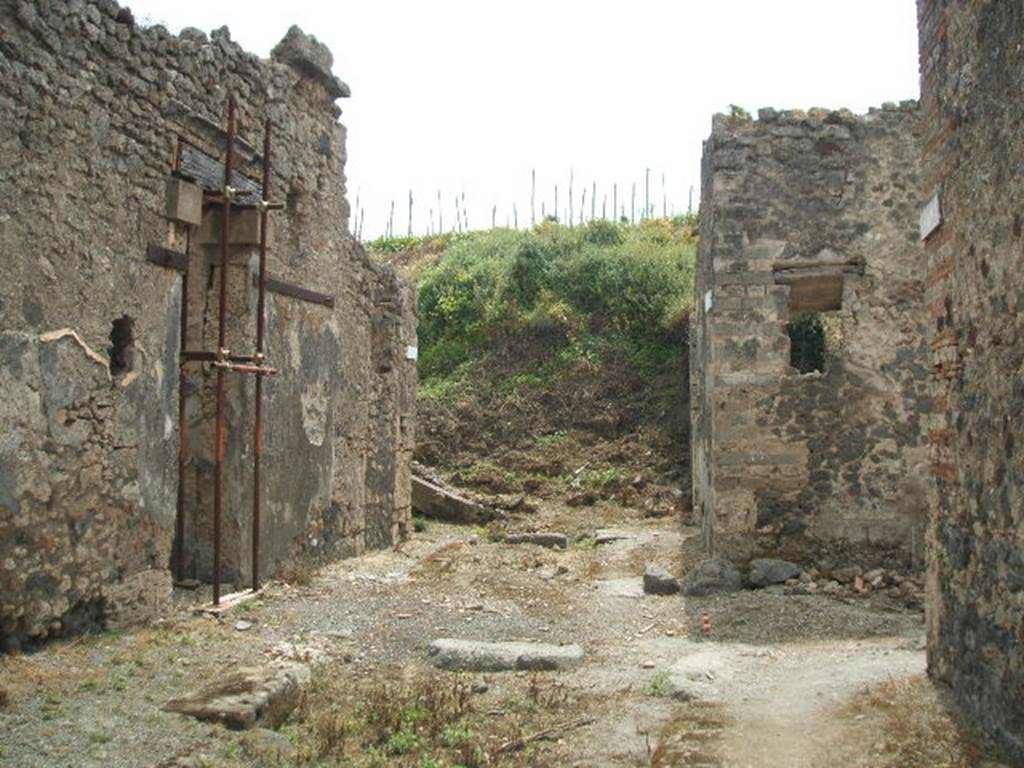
{"x":824,"y":182}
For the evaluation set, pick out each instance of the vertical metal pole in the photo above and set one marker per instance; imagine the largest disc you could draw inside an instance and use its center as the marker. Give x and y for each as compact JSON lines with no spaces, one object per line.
{"x":179,"y":531}
{"x":260,"y":327}
{"x":222,"y":302}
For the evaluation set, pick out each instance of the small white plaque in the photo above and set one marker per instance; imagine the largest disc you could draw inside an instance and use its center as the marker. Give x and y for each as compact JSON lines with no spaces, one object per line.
{"x":411,"y":353}
{"x":931,"y":217}
{"x":708,"y":298}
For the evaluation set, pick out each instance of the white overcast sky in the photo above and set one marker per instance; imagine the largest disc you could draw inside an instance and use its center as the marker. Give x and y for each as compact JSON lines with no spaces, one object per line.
{"x":467,"y":96}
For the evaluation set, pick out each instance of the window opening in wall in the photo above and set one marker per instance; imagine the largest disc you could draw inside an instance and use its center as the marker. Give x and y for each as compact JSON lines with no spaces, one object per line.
{"x":815,"y":338}
{"x":122,"y":341}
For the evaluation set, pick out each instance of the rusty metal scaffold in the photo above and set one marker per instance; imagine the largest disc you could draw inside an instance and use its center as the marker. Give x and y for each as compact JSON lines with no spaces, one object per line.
{"x":223,"y":361}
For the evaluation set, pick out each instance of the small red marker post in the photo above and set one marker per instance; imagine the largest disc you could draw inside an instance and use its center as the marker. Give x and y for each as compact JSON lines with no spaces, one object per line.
{"x":706,"y":624}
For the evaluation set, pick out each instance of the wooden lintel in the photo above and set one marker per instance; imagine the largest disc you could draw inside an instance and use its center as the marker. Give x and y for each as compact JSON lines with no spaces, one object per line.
{"x":298,"y":292}
{"x":165,"y":257}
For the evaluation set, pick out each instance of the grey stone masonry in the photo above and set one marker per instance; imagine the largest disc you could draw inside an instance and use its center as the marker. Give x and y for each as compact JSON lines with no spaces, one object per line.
{"x":810,"y":212}
{"x":96,"y":112}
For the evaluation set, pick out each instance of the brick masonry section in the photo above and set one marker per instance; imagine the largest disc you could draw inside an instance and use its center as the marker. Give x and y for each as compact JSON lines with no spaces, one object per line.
{"x":972,"y":67}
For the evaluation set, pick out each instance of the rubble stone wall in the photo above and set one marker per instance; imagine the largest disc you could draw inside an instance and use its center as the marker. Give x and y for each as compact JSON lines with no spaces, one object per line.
{"x":972,"y":65}
{"x":811,"y":211}
{"x":91,"y":110}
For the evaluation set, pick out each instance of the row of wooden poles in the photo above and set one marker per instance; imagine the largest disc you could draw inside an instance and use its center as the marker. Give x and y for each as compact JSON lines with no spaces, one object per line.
{"x":569,"y":213}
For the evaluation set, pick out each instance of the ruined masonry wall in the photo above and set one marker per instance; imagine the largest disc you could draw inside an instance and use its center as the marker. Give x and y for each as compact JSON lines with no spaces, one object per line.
{"x":90,"y":108}
{"x":823,"y":203}
{"x":972,"y":65}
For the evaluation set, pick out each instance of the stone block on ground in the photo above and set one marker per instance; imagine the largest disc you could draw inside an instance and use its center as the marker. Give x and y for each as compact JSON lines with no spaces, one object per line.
{"x":247,"y":698}
{"x":658,"y":581}
{"x":711,"y":576}
{"x":549,"y":540}
{"x":767,"y":571}
{"x":473,"y":656}
{"x":611,"y":535}
{"x":433,"y":501}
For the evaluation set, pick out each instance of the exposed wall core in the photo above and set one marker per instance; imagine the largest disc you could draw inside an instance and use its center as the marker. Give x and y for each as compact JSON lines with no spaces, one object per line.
{"x":803,"y":216}
{"x":95,"y":113}
{"x":972,"y":209}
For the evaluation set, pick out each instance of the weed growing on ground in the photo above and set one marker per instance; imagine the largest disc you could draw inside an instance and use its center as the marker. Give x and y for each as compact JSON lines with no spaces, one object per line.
{"x":553,"y":439}
{"x":658,"y":685}
{"x":586,"y":542}
{"x":484,"y":474}
{"x":421,"y":720}
{"x":602,"y":480}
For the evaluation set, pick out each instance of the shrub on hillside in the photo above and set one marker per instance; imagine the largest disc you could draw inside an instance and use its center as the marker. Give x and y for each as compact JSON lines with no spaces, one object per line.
{"x":603,"y":277}
{"x":627,"y":288}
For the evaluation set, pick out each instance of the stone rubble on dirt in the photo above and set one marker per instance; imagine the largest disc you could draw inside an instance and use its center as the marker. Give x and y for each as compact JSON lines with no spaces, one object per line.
{"x":712,"y":576}
{"x":472,"y":656}
{"x":247,"y":697}
{"x":658,"y":581}
{"x":308,"y":654}
{"x":767,"y":571}
{"x":610,"y":535}
{"x":549,"y":540}
{"x":854,"y":580}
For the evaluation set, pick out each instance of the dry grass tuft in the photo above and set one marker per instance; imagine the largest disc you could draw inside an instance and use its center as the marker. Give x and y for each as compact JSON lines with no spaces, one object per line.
{"x":5,"y":698}
{"x":429,"y":719}
{"x":691,"y":737}
{"x":297,"y":572}
{"x":909,"y":722}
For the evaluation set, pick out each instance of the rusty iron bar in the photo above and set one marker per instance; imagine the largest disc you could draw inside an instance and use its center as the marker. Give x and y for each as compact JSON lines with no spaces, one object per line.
{"x":262,"y":205}
{"x":298,"y":292}
{"x":222,"y":301}
{"x":179,"y":525}
{"x":260,"y":370}
{"x":257,"y":437}
{"x":199,"y":356}
{"x":182,"y":265}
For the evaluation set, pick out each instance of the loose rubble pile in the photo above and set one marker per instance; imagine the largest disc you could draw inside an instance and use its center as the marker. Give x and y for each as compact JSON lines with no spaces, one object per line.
{"x":718,"y":575}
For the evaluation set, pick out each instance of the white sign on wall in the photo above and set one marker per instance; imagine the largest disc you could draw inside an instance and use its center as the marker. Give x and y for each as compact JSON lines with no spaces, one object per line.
{"x":708,"y":297}
{"x":931,"y":216}
{"x":411,"y":353}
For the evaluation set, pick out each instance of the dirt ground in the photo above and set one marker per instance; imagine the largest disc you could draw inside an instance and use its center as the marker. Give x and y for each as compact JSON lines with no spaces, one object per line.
{"x":783,"y":680}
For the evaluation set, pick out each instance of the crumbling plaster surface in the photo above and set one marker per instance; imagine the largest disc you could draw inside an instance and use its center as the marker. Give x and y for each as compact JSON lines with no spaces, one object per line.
{"x":972,"y":65}
{"x":90,"y":108}
{"x":827,"y":198}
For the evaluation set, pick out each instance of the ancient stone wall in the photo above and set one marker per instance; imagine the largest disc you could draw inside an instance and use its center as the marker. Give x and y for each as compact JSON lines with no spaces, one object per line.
{"x":811,"y":212}
{"x":972,"y":64}
{"x":94,"y":111}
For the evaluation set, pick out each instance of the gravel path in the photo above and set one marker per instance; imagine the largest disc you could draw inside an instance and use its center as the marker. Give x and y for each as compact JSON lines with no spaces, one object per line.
{"x":761,"y":685}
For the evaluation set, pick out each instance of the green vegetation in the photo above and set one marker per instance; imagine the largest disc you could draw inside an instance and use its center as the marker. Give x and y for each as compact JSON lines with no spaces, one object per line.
{"x":807,"y":342}
{"x":815,"y":338}
{"x":585,"y":291}
{"x":428,"y":243}
{"x":659,"y":685}
{"x":423,"y":720}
